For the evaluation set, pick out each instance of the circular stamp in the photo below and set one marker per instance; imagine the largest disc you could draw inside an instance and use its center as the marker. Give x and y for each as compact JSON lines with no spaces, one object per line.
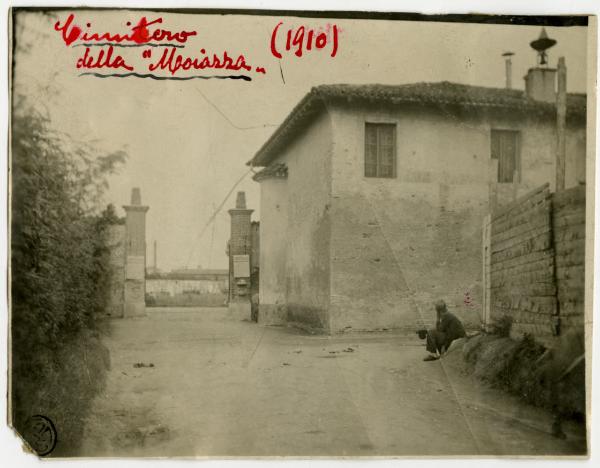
{"x":41,"y":435}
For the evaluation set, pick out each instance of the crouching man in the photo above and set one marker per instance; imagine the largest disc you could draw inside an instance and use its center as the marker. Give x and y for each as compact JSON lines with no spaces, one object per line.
{"x":447,"y":329}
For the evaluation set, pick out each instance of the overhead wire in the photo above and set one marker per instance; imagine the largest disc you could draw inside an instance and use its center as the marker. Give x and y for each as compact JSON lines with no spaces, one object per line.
{"x":216,"y":212}
{"x":222,"y":114}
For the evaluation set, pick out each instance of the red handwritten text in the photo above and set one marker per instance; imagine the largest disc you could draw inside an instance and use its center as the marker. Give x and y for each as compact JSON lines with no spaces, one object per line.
{"x":103,"y":60}
{"x":305,"y":39}
{"x":139,"y":34}
{"x":161,"y":48}
{"x":172,"y":61}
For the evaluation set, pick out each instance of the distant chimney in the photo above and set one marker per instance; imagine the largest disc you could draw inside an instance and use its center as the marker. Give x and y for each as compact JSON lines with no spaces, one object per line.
{"x":508,"y":68}
{"x":540,"y":82}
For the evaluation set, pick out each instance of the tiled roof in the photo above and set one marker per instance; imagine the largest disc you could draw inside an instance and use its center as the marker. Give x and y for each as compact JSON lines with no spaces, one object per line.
{"x":445,"y":93}
{"x":427,"y":94}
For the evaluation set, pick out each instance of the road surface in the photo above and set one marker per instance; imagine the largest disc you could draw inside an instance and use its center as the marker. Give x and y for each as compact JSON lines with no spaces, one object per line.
{"x":210,"y":385}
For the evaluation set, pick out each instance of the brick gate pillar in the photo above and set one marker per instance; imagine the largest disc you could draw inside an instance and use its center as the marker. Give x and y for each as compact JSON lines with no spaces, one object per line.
{"x":135,"y":256}
{"x":240,"y":247}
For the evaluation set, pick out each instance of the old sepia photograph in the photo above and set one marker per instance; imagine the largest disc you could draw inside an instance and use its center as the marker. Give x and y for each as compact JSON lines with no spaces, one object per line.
{"x":262,"y":233}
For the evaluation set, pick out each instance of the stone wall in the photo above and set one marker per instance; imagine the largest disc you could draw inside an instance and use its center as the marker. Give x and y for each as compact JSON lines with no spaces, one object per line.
{"x":522,"y":265}
{"x":273,"y":251}
{"x":394,"y":253}
{"x":568,"y":224}
{"x":295,"y":231}
{"x":341,"y":251}
{"x":399,"y":244}
{"x":537,"y":273}
{"x":162,"y":291}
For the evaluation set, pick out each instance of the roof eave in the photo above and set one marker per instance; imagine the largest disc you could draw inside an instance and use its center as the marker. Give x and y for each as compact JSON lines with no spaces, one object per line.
{"x":289,"y":127}
{"x":262,"y":156}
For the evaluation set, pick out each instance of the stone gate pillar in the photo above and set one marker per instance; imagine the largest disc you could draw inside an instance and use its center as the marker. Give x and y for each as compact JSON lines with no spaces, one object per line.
{"x":135,"y":256}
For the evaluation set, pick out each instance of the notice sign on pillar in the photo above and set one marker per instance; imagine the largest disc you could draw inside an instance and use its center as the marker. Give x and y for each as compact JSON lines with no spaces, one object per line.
{"x":241,"y":266}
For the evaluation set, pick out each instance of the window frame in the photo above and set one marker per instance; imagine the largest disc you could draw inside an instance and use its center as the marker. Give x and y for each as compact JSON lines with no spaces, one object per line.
{"x":517,"y":134}
{"x":378,"y":165}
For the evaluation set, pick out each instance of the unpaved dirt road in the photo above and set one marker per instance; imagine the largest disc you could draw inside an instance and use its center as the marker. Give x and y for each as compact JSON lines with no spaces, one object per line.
{"x":221,"y":387}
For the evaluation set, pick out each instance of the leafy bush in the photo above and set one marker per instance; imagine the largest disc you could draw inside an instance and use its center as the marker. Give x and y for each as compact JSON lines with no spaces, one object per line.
{"x":517,"y":366}
{"x":60,"y":273}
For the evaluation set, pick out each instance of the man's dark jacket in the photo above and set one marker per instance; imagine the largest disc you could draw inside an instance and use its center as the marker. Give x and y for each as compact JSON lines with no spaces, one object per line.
{"x":451,"y":327}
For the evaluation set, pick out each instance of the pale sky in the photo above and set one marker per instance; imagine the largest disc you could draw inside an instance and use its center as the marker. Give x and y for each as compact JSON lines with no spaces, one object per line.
{"x":185,"y":156}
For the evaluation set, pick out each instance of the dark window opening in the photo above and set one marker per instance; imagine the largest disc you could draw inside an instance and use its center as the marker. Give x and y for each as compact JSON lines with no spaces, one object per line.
{"x":505,"y":148}
{"x":380,"y":150}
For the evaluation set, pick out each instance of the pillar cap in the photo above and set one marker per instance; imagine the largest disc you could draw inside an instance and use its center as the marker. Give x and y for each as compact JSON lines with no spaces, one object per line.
{"x":239,"y":211}
{"x":240,"y":201}
{"x":136,"y":208}
{"x":136,"y":201}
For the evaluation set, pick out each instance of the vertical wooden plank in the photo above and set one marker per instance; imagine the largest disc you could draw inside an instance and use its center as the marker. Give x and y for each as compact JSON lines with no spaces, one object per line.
{"x":486,"y":278}
{"x":561,"y":118}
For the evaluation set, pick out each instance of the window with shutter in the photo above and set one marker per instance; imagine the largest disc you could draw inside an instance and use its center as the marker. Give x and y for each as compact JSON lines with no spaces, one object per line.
{"x":505,"y":148}
{"x":380,"y":150}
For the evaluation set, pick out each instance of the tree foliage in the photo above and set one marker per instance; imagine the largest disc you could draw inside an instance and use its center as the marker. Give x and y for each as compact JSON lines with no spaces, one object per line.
{"x":60,"y":271}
